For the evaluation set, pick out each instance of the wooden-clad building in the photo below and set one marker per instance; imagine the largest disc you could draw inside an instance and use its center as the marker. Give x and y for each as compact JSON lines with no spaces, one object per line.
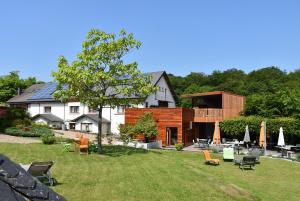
{"x":182,"y":125}
{"x":173,"y":124}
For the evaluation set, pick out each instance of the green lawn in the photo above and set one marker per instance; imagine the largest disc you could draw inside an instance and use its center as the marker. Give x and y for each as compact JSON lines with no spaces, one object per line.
{"x":129,"y":174}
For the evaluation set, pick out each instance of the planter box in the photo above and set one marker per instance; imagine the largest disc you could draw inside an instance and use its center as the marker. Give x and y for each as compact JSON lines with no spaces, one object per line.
{"x":142,"y":145}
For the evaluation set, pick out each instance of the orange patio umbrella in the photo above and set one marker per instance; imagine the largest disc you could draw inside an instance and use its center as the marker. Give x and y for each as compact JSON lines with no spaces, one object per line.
{"x":262,"y":135}
{"x":216,"y":138}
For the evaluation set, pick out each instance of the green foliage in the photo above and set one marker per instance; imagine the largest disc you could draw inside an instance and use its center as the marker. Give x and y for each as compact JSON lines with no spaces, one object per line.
{"x":100,"y":77}
{"x":236,"y":127}
{"x":48,"y":139}
{"x":15,"y":117}
{"x":127,"y":132}
{"x":146,"y":126}
{"x":270,"y":92}
{"x":10,"y":83}
{"x":298,"y":157}
{"x":92,"y":147}
{"x":179,"y":147}
{"x":19,"y":132}
{"x":28,"y":131}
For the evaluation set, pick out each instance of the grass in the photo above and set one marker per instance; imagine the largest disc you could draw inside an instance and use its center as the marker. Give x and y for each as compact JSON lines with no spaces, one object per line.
{"x":133,"y":174}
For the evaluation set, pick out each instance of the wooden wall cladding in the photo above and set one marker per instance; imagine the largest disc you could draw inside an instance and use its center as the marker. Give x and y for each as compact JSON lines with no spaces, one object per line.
{"x":165,"y":117}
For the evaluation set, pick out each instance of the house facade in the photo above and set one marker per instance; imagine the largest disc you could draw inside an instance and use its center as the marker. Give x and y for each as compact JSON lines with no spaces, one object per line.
{"x":183,"y":125}
{"x":43,"y":108}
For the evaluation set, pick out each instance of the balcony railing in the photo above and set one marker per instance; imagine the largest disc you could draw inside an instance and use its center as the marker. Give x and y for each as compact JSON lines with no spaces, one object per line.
{"x":208,"y":114}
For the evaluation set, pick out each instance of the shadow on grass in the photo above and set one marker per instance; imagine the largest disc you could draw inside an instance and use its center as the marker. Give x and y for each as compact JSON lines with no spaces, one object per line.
{"x":118,"y":150}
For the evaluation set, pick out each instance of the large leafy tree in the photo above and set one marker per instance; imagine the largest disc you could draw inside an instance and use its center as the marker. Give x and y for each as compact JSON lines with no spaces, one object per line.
{"x":99,"y":76}
{"x":9,"y":85}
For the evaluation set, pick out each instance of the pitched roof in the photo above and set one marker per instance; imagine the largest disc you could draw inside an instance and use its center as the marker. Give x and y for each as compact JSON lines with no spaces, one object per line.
{"x":26,"y":94}
{"x":45,"y":92}
{"x":48,"y":117}
{"x":93,"y":117}
{"x":18,"y":185}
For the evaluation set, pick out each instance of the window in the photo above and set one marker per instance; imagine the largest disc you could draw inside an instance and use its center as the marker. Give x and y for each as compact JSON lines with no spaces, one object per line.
{"x":47,"y":109}
{"x":161,"y":89}
{"x":120,"y":110}
{"x":147,"y":105}
{"x":74,"y":109}
{"x":92,"y":110}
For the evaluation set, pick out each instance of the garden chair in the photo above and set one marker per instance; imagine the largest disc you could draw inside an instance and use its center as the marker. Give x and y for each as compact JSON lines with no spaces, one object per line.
{"x":40,"y":170}
{"x":209,"y":160}
{"x":256,"y":153}
{"x":248,"y":162}
{"x":84,"y":145}
{"x":228,"y":154}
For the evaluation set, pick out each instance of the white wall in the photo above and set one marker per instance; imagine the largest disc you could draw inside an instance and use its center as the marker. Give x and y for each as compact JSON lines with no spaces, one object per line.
{"x":94,"y":129}
{"x":63,"y":110}
{"x":164,"y":95}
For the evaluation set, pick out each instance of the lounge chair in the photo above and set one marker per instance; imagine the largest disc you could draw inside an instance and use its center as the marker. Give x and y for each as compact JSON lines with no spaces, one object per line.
{"x":40,"y":170}
{"x":84,"y":145}
{"x":248,"y":162}
{"x":228,"y":154}
{"x":209,"y":160}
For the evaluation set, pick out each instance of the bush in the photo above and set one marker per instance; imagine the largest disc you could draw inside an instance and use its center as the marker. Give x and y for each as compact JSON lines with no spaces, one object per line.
{"x":126,"y":133}
{"x":92,"y":148}
{"x":28,"y":131}
{"x":298,"y":157}
{"x":48,"y":139}
{"x":236,"y":127}
{"x":146,"y":126}
{"x":179,"y":147}
{"x":14,"y":117}
{"x":19,"y":132}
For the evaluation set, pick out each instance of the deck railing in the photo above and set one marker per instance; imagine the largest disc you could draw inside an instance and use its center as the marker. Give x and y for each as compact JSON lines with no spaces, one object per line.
{"x":208,"y":114}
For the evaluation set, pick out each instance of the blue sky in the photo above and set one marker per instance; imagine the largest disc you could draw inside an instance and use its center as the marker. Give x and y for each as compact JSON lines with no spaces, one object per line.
{"x":177,"y":36}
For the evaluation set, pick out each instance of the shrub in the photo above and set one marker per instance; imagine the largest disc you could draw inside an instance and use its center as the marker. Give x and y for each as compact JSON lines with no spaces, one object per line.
{"x":48,"y":139}
{"x":236,"y":127}
{"x":126,"y":133}
{"x":298,"y":157}
{"x":14,"y":117}
{"x":146,"y":126}
{"x":18,"y":132}
{"x":92,"y":148}
{"x":28,"y":131}
{"x":179,"y":147}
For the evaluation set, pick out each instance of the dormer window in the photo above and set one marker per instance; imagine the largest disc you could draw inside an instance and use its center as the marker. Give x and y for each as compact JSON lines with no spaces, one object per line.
{"x":47,"y":109}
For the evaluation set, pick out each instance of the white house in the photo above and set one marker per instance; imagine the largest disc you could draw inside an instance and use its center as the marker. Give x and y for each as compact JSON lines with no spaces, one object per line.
{"x":42,"y":107}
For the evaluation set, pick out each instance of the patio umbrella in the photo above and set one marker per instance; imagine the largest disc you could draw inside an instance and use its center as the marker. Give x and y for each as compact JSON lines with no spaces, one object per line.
{"x":247,"y":136}
{"x":280,"y":138}
{"x":262,"y":135}
{"x":216,"y":138}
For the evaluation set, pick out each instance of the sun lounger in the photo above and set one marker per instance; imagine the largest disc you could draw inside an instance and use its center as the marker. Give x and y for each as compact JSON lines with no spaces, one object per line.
{"x":209,"y":160}
{"x":247,"y":162}
{"x":40,"y":170}
{"x":228,"y":154}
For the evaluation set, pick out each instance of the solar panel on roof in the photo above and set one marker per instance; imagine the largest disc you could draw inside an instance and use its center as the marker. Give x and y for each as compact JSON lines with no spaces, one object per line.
{"x":44,"y":93}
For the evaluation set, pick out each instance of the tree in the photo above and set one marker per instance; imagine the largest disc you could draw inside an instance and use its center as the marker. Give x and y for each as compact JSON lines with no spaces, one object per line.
{"x":146,"y":126}
{"x":9,"y":85}
{"x":99,"y":76}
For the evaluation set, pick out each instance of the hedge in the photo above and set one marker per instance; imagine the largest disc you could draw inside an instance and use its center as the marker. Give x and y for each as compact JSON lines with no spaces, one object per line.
{"x":236,"y":127}
{"x":28,"y":132}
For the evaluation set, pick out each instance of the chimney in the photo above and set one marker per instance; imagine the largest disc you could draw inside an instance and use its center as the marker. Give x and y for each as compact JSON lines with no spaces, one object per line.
{"x":19,"y":91}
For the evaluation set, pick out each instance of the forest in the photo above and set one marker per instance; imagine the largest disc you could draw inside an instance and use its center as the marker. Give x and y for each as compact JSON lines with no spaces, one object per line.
{"x":270,"y":92}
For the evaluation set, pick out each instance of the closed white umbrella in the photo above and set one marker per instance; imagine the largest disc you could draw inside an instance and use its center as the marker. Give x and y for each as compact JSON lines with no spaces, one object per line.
{"x":247,"y":135}
{"x":280,"y":138}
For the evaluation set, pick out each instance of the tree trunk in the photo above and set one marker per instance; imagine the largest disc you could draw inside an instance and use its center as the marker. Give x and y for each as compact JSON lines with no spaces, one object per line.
{"x":99,"y":136}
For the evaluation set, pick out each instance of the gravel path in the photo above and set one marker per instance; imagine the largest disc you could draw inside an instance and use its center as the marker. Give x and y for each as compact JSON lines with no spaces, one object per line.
{"x":21,"y":140}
